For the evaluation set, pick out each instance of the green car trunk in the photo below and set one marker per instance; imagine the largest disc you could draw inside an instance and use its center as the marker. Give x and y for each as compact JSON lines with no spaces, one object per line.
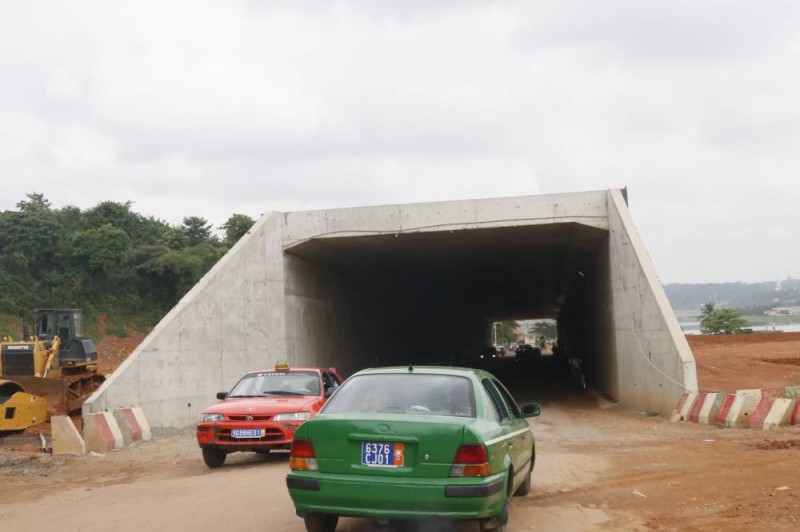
{"x":415,"y":488}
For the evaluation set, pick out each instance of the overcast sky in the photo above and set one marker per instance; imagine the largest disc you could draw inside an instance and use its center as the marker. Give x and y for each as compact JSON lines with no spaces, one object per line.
{"x":201,"y":108}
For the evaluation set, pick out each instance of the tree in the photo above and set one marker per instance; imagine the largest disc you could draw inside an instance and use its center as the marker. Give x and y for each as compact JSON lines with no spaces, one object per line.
{"x":36,"y":203}
{"x":546,"y":328}
{"x":236,"y":226}
{"x":505,"y":332}
{"x":196,"y":230}
{"x":715,"y":320}
{"x":105,"y":248}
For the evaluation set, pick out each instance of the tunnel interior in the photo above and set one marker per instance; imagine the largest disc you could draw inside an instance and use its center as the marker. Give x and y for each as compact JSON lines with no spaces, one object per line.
{"x":432,"y":297}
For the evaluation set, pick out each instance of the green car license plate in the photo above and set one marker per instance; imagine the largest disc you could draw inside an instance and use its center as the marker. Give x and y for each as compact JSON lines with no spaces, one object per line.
{"x":245,"y":433}
{"x":382,"y":454}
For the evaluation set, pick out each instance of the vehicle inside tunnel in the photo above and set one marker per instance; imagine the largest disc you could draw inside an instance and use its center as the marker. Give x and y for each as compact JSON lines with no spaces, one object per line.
{"x":433,"y":297}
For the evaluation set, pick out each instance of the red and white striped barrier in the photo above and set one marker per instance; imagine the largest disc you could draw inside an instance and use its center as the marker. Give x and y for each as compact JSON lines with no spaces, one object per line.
{"x":772,"y":413}
{"x":101,"y":432}
{"x":684,"y":407}
{"x":763,"y":408}
{"x":711,"y":405}
{"x":132,"y":425}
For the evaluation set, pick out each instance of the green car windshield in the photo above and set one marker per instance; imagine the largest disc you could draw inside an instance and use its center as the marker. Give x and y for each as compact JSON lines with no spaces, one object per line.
{"x":412,"y":394}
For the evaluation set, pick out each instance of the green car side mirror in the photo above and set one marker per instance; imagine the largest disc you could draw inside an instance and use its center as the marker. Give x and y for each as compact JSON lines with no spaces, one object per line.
{"x":531,"y":410}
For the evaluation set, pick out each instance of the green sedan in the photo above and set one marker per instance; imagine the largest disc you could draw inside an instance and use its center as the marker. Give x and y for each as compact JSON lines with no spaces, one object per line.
{"x":413,"y":442}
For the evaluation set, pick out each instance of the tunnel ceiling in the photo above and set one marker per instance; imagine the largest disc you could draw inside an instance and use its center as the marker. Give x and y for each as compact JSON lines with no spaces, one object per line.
{"x":508,"y":272}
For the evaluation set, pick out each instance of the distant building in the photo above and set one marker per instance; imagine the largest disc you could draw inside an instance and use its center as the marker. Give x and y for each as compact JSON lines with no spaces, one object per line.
{"x":783,"y":311}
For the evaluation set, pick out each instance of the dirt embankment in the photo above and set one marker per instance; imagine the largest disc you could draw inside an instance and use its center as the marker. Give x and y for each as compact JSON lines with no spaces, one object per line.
{"x":726,"y":363}
{"x":112,"y":351}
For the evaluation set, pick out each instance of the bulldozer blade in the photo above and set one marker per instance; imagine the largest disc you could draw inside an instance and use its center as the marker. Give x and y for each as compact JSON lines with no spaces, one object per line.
{"x":53,"y":391}
{"x":21,"y":411}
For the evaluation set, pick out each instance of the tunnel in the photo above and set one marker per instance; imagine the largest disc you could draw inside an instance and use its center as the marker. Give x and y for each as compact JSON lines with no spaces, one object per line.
{"x":416,"y":284}
{"x":433,"y":297}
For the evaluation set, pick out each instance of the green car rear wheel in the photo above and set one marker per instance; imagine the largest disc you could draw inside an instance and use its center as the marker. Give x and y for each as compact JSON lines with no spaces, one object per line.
{"x":321,"y":522}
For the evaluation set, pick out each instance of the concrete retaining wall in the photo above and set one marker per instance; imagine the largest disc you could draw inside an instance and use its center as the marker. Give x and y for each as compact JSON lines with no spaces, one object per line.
{"x":231,"y":322}
{"x":654,"y":362}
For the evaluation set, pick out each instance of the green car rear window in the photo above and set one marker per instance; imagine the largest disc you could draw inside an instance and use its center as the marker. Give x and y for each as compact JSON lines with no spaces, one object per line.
{"x":412,"y":394}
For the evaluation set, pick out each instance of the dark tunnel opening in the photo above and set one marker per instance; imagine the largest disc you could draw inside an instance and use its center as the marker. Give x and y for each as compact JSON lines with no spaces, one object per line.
{"x":432,"y":297}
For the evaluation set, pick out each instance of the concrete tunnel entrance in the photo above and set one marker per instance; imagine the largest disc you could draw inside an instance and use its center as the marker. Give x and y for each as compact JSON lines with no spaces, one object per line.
{"x":420,"y":284}
{"x":432,"y":297}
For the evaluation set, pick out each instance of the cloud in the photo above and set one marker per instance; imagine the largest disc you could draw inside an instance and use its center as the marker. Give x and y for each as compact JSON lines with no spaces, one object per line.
{"x":208,"y":108}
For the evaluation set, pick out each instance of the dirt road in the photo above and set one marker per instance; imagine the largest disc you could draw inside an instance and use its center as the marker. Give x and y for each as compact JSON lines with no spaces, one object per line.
{"x":598,"y":468}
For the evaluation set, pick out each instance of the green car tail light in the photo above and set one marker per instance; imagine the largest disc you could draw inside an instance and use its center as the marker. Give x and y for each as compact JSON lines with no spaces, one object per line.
{"x":471,"y":461}
{"x":302,"y":457}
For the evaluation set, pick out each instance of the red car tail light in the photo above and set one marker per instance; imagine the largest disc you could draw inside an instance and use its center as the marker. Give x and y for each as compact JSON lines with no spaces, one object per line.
{"x":470,"y":461}
{"x":302,"y":457}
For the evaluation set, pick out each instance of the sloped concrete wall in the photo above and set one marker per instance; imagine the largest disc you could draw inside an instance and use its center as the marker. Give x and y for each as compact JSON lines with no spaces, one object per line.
{"x":231,"y":322}
{"x":654,"y":364}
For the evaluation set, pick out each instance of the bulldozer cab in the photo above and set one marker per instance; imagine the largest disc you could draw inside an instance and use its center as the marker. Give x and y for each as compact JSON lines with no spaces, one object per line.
{"x":67,"y":324}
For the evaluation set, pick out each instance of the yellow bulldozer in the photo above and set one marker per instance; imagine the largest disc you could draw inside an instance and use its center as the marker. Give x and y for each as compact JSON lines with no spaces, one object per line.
{"x":52,"y":370}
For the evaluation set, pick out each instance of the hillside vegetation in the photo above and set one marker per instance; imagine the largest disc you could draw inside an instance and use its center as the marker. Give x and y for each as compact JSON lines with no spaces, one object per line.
{"x":108,"y":260}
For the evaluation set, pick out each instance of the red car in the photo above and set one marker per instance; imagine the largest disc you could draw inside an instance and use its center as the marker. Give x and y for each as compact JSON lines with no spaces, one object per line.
{"x":262,"y":411}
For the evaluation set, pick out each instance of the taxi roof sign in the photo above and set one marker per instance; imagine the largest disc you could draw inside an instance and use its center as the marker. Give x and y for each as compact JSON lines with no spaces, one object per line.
{"x":283,"y":364}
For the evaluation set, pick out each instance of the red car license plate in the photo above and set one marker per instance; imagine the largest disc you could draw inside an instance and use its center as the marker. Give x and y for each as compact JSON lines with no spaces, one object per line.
{"x":246,"y":433}
{"x":382,"y":454}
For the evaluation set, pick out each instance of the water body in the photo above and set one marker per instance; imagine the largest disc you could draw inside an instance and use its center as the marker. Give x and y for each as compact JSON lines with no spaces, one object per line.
{"x":694,"y":327}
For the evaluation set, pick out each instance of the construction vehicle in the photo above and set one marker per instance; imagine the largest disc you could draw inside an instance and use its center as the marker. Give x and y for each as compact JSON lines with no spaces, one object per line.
{"x":19,"y":409}
{"x":54,"y":363}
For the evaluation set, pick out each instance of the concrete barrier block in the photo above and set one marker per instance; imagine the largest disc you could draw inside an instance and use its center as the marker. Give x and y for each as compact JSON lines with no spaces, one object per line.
{"x":795,"y":419}
{"x":755,"y":393}
{"x":128,"y":426}
{"x":133,"y":425}
{"x":780,"y":414}
{"x":676,"y":414}
{"x":66,"y":438}
{"x":144,"y":426}
{"x":684,"y":407}
{"x":101,"y":432}
{"x":711,"y":408}
{"x":725,"y":408}
{"x":759,"y":415}
{"x":741,"y":409}
{"x":694,"y":414}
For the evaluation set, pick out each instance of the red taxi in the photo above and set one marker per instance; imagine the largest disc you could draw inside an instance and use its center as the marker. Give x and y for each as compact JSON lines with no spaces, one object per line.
{"x":262,"y":411}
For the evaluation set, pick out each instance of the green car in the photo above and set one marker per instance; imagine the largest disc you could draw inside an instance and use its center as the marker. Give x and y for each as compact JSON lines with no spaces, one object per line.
{"x":413,"y":442}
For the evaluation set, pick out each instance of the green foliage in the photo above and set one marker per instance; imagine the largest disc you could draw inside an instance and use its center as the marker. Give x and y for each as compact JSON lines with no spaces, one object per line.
{"x":107,"y":257}
{"x":505,"y":332}
{"x":36,"y":203}
{"x":9,"y":326}
{"x":546,"y":328}
{"x":715,"y":320}
{"x":196,"y":230}
{"x":104,"y":248}
{"x":235,"y":228}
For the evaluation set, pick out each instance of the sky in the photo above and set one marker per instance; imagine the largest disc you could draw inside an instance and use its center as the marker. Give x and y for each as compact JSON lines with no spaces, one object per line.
{"x":210,"y":108}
